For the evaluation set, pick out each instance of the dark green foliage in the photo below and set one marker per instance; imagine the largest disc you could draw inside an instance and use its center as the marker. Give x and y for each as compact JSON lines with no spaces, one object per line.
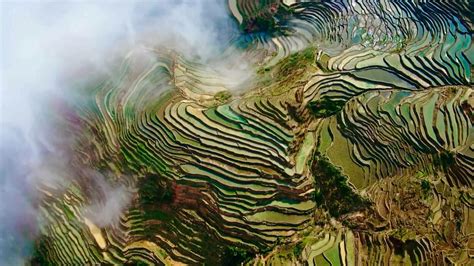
{"x":236,"y":255}
{"x":39,"y":251}
{"x":260,"y":24}
{"x":325,"y":107}
{"x":155,"y":197}
{"x":152,"y":190}
{"x":332,"y":190}
{"x":350,"y":224}
{"x":425,"y":186}
{"x":444,"y":160}
{"x":318,"y":196}
{"x":269,"y":18}
{"x":298,"y":249}
{"x":156,"y":215}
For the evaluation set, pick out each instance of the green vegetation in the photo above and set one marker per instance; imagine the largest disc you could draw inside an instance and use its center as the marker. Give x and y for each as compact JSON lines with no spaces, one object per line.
{"x":152,"y":190}
{"x":298,"y":249}
{"x":154,"y":195}
{"x":156,"y":215}
{"x":265,"y":18}
{"x":260,"y":24}
{"x":425,"y":186}
{"x":296,"y":61}
{"x":233,"y":168}
{"x":68,"y":212}
{"x":39,"y":249}
{"x":444,"y":160}
{"x":332,"y":190}
{"x":235,"y":255}
{"x":325,"y":107}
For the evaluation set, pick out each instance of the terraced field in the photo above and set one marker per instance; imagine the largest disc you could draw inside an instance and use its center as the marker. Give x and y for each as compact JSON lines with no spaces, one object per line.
{"x":353,"y":144}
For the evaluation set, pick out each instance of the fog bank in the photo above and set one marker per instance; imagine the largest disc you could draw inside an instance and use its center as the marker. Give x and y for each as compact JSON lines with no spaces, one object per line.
{"x":50,"y":48}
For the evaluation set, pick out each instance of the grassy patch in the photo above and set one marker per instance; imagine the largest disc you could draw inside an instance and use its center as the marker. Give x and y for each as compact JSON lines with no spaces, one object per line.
{"x":69,"y":214}
{"x":296,"y":61}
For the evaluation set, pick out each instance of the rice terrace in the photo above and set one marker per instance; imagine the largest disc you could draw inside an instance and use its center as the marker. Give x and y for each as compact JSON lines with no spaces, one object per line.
{"x":314,"y":133}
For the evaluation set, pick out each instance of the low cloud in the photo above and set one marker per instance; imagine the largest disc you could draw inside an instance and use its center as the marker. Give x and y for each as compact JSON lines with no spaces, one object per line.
{"x":108,"y":201}
{"x":50,"y":48}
